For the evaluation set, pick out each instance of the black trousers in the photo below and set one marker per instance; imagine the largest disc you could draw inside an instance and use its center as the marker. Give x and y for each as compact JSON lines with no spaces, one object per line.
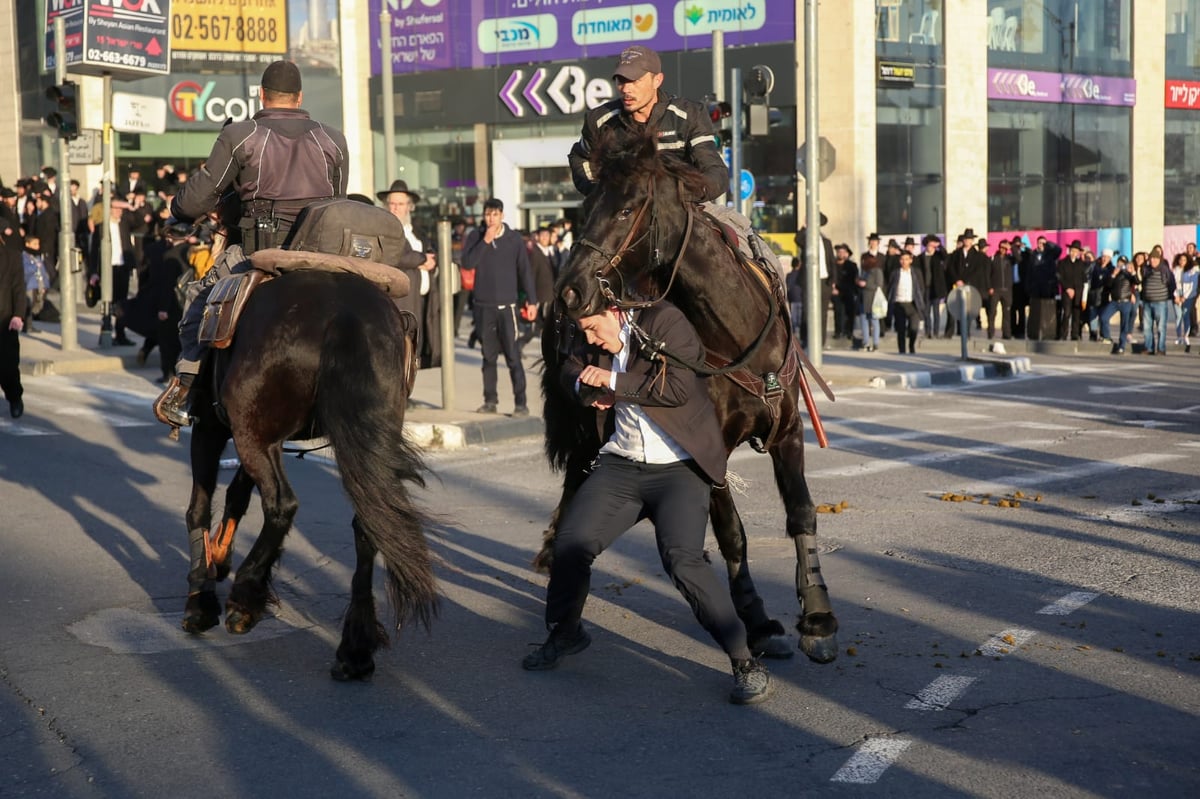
{"x":10,"y":363}
{"x":907,"y":322}
{"x":496,"y":326}
{"x":1001,"y":297}
{"x":675,"y":498}
{"x":1043,"y":318}
{"x":1016,"y":314}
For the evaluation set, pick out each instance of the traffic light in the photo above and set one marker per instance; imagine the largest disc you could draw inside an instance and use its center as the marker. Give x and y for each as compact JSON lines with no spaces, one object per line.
{"x":719,"y":111}
{"x":65,"y":117}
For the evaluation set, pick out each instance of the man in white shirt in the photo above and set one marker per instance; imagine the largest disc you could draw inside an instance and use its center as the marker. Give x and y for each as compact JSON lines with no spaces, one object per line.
{"x":907,"y":300}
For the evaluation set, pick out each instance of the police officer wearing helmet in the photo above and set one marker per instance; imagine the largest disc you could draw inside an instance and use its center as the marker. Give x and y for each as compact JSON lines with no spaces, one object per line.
{"x":275,"y":163}
{"x":683,"y":126}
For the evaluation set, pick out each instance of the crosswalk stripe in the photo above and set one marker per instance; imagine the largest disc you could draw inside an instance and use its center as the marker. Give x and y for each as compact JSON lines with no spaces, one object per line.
{"x":112,"y":419}
{"x":1048,"y":476}
{"x":926,"y":458}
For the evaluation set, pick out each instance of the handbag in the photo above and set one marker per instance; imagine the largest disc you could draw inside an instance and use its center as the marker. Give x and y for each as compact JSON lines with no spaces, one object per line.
{"x":467,"y":278}
{"x":879,"y":304}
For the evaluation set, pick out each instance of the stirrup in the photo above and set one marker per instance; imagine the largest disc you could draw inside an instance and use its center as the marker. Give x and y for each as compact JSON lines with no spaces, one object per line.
{"x":169,"y":407}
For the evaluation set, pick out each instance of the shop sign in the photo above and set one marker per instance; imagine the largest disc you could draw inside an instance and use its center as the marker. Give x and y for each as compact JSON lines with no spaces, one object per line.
{"x":194,"y":102}
{"x":126,"y":39}
{"x":1183,"y":94}
{"x":1054,"y":87}
{"x":455,"y":34}
{"x":230,"y":26}
{"x":569,"y":90}
{"x":897,"y":73}
{"x":136,"y":113}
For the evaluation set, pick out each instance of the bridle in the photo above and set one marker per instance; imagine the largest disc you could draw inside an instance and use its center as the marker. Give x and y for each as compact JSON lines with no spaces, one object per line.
{"x":628,"y":244}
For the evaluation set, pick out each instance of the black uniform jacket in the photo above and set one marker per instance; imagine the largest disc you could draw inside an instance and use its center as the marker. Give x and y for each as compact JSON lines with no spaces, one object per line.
{"x":676,"y":401}
{"x":684,"y":131}
{"x":279,"y":154}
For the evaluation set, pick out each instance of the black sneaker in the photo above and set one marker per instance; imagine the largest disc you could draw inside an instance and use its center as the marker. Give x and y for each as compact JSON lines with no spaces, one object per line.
{"x":751,"y":682}
{"x":557,"y":646}
{"x":16,"y":408}
{"x":487,"y":407}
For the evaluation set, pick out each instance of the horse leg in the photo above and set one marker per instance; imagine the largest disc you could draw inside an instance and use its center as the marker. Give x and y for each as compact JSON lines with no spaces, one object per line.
{"x":573,"y":477}
{"x":202,"y":611}
{"x":818,"y":626}
{"x":237,"y":500}
{"x":764,"y":634}
{"x":252,"y":588}
{"x":362,"y":634}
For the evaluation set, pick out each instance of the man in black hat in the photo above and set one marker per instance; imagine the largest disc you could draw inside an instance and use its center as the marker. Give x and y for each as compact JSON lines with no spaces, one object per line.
{"x":968,"y":266}
{"x":931,"y":263}
{"x":276,"y":162}
{"x":683,"y":127}
{"x":418,"y":261}
{"x":1072,"y":276}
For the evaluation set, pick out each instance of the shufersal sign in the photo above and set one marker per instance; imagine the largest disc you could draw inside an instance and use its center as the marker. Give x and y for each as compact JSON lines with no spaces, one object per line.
{"x":195,"y":103}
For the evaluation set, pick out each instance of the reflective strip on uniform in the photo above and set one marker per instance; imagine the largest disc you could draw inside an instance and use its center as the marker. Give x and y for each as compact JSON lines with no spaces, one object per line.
{"x":604,"y":119}
{"x":677,"y":111}
{"x":696,"y":142}
{"x":674,"y":145}
{"x":587,"y":170}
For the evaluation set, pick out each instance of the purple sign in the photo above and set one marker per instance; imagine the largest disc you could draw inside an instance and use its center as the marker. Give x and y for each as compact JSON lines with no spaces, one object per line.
{"x":1055,"y":87}
{"x":464,"y":34}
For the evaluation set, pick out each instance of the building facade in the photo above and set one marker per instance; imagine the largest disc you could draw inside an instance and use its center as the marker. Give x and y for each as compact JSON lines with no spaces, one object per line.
{"x":1074,"y":117}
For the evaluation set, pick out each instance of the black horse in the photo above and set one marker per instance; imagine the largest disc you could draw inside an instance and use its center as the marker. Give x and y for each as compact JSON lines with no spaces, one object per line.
{"x":643,"y":239}
{"x":315,"y":352}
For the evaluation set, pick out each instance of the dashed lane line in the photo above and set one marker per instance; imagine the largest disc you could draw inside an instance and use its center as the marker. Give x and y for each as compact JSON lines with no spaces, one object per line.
{"x":941,"y":692}
{"x":1068,"y":604}
{"x":871,"y":760}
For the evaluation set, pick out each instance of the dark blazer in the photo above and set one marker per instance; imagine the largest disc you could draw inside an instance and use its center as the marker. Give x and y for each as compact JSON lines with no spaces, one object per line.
{"x":677,"y":402}
{"x":12,"y":285}
{"x":543,"y":274}
{"x":970,"y":266}
{"x":1000,"y":276}
{"x":920,"y":296}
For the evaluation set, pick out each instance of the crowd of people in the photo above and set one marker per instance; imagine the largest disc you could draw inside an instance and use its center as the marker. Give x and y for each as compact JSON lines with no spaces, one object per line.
{"x":1027,"y":290}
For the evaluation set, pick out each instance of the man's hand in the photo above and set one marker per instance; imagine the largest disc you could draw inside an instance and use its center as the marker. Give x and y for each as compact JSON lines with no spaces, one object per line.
{"x":595,"y":376}
{"x":531,"y":313}
{"x":430,"y":262}
{"x":162,"y":316}
{"x":492,"y":232}
{"x":16,"y":323}
{"x":605,"y":402}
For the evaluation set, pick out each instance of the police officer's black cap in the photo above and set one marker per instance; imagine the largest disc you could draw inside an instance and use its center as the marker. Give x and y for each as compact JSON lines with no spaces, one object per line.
{"x":282,"y":77}
{"x":636,"y":61}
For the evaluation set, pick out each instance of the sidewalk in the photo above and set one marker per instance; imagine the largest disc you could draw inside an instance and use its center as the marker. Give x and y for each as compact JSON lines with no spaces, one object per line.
{"x":430,"y":425}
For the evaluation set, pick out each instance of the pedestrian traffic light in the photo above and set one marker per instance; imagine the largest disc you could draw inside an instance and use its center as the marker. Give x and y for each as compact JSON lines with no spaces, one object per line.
{"x":65,"y":117}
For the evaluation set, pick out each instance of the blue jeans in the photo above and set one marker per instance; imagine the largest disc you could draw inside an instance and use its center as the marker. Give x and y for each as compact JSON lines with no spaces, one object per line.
{"x":1154,"y":325}
{"x":870,"y":330}
{"x":1183,"y":318}
{"x":1126,"y":310}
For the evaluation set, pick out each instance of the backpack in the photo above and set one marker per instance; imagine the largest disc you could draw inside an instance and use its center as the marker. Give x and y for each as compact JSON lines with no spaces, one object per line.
{"x":348,"y":227}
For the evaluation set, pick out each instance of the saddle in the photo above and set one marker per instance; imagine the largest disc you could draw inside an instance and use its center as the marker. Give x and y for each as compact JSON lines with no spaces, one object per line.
{"x":228,"y":297}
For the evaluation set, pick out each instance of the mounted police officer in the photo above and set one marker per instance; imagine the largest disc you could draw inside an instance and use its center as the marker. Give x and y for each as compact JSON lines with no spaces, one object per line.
{"x":684,"y":131}
{"x":276,"y":163}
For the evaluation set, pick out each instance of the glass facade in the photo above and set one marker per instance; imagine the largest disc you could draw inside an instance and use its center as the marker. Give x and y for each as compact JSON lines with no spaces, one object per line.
{"x":909,"y":138}
{"x":1062,"y":161}
{"x":1182,"y":146}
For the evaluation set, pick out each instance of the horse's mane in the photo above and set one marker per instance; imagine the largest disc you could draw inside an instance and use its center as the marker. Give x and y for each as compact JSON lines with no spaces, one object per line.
{"x":622,"y":155}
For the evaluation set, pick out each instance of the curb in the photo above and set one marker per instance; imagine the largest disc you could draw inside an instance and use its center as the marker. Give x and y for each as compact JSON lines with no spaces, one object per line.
{"x":970,"y":373}
{"x":457,"y":435}
{"x":31,"y":367}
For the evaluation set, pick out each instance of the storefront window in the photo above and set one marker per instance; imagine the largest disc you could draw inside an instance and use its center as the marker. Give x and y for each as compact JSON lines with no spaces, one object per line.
{"x":1058,"y":167}
{"x":1087,"y":36}
{"x":1183,"y":49}
{"x":909,"y":156}
{"x":908,"y":27}
{"x":1182,"y":165}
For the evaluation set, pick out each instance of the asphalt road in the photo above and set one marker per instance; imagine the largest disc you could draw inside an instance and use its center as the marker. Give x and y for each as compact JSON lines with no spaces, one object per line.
{"x":1047,"y":649}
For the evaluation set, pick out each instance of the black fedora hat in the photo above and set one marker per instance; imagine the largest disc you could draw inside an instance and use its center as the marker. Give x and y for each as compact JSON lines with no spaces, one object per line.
{"x":969,"y":233}
{"x":1075,"y":245}
{"x":909,"y":241}
{"x":398,"y":185}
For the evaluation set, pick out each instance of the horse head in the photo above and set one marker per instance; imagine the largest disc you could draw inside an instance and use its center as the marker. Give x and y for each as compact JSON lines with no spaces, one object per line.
{"x":634,"y":224}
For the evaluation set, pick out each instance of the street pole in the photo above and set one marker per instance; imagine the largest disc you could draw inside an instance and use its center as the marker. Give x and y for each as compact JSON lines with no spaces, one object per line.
{"x":69,"y":336}
{"x":718,"y":73}
{"x":446,"y":286}
{"x":735,"y":146}
{"x":964,"y":305}
{"x":389,"y":98}
{"x":812,"y":241}
{"x":106,"y":181}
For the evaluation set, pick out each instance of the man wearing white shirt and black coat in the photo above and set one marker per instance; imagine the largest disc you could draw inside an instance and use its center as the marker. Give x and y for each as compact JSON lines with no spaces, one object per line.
{"x":664,"y":453}
{"x":907,"y":300}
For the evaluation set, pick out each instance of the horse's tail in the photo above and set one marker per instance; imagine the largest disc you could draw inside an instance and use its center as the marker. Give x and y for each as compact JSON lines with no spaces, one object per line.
{"x":361,"y":395}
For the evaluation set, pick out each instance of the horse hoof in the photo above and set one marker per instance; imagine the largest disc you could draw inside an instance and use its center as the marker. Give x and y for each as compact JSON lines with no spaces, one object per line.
{"x":238,"y":621}
{"x":823,"y":649}
{"x":346,"y":672}
{"x":201,"y":613}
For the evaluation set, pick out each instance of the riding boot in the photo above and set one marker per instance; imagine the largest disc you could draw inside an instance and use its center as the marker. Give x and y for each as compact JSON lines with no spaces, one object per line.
{"x":171,"y":406}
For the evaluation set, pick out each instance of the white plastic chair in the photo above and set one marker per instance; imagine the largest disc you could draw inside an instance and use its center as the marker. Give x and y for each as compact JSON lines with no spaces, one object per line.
{"x":927,"y":33}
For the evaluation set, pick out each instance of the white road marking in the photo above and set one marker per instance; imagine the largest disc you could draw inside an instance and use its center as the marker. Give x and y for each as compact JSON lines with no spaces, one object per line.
{"x":1044,"y":426}
{"x":1133,"y":388}
{"x":1149,"y":507}
{"x":964,"y":415}
{"x":940,"y":693}
{"x":1046,"y":476}
{"x":1188,"y":444}
{"x":113,"y":419}
{"x":925,"y":458}
{"x":1068,"y":604}
{"x":873,"y":758}
{"x":22,"y":429}
{"x":133,"y":632}
{"x":1005,"y":643}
